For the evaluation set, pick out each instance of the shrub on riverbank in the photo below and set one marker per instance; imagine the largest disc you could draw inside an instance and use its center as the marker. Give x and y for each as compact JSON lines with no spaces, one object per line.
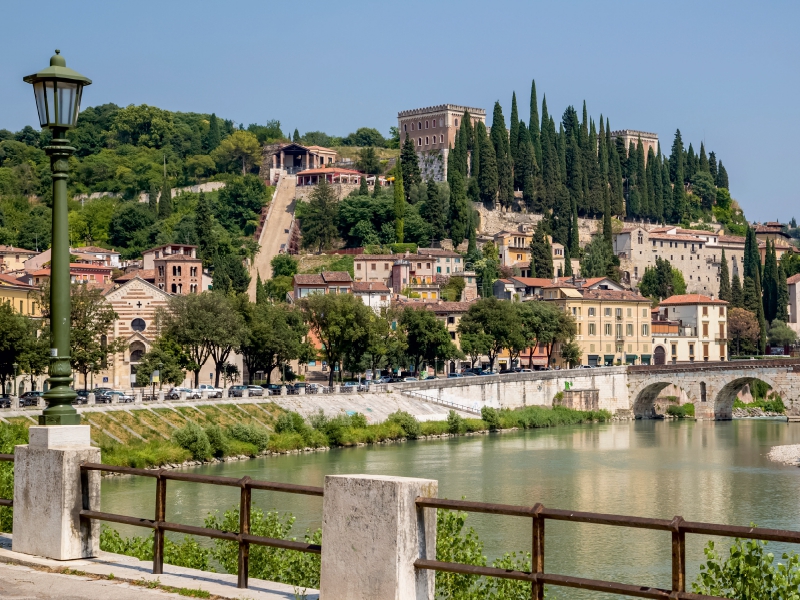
{"x":773,"y":404}
{"x":140,"y":456}
{"x":681,"y":412}
{"x":10,"y":436}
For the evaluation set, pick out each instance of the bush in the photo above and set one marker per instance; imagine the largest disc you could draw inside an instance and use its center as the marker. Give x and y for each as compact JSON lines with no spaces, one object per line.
{"x":142,"y":455}
{"x":455,"y":423}
{"x":289,"y":422}
{"x":188,"y":553}
{"x":410,"y":426}
{"x":358,"y":421}
{"x":10,"y":436}
{"x":250,"y":434}
{"x":217,"y":441}
{"x":194,"y":439}
{"x":318,"y":420}
{"x":682,"y":412}
{"x":491,"y":416}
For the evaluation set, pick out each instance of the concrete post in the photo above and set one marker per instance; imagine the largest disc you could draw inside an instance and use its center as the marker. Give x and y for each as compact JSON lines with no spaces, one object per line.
{"x":91,"y":399}
{"x":337,"y":389}
{"x":373,"y":533}
{"x":114,"y":399}
{"x":137,"y":397}
{"x":14,"y":402}
{"x":301,"y":391}
{"x":283,"y":390}
{"x":225,"y":394}
{"x":204,"y":395}
{"x":245,"y":393}
{"x":183,"y":396}
{"x":40,"y":403}
{"x":50,"y":490}
{"x":161,"y":395}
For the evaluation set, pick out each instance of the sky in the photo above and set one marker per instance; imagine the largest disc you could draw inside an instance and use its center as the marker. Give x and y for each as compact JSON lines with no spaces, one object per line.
{"x":725,"y":73}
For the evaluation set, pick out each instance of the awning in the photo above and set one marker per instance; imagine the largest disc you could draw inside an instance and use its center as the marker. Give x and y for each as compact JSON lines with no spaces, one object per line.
{"x":646,"y":359}
{"x":593,"y":359}
{"x":630,"y":358}
{"x":608,"y":359}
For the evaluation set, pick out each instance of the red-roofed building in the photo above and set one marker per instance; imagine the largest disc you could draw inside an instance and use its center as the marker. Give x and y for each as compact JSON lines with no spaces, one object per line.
{"x":79,"y":273}
{"x":327,"y":282}
{"x":690,"y":328}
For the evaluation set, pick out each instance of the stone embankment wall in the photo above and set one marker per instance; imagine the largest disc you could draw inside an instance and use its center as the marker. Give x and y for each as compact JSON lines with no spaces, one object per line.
{"x":527,"y":389}
{"x":495,"y":221}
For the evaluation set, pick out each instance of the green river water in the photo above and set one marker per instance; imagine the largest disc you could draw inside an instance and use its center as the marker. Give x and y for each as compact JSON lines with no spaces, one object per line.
{"x":704,"y":471}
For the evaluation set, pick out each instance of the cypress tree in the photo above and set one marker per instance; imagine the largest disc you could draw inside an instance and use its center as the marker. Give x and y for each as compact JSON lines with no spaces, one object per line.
{"x":654,"y":184}
{"x":152,"y":199}
{"x":541,"y":254}
{"x":666,"y":193}
{"x":409,"y":163}
{"x":363,"y":188}
{"x":751,"y":290}
{"x":561,"y":149}
{"x":725,"y":292}
{"x":752,"y":259}
{"x":712,"y":166}
{"x":574,"y":171}
{"x":296,"y":136}
{"x":499,"y":137}
{"x":677,"y":176}
{"x":645,"y":208}
{"x":769,"y":283}
{"x":459,"y":209}
{"x":434,"y":212}
{"x":533,"y":125}
{"x":213,"y":138}
{"x":608,"y":234}
{"x":488,"y":176}
{"x":614,"y":175}
{"x":376,"y":190}
{"x":513,"y":136}
{"x":691,"y":164}
{"x":561,"y":217}
{"x":165,"y":200}
{"x":737,"y":294}
{"x":261,"y":293}
{"x":479,"y":132}
{"x":722,"y":177}
{"x":704,"y":164}
{"x":782,"y":313}
{"x":597,"y":182}
{"x":567,"y":263}
{"x":399,"y":203}
{"x":204,"y":229}
{"x":602,"y":151}
{"x":472,"y":246}
{"x":574,"y":237}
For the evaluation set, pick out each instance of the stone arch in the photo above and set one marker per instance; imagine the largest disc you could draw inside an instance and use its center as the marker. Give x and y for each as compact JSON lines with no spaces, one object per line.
{"x":643,"y":403}
{"x":723,"y":402}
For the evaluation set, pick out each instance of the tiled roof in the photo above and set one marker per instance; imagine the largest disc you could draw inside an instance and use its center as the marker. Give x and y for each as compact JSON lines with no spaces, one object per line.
{"x":794,"y":278}
{"x":439,"y":306}
{"x":169,"y":246}
{"x":15,"y":249}
{"x":438,"y":252}
{"x":309,"y":279}
{"x":732,"y":239}
{"x":95,"y":250}
{"x":614,"y":295}
{"x":676,"y":238}
{"x":377,"y":256}
{"x":328,"y":170}
{"x":323,"y":278}
{"x":7,"y":279}
{"x":369,"y":286}
{"x":532,"y":281}
{"x":145,"y":274}
{"x":336,"y":276}
{"x":691,"y":299}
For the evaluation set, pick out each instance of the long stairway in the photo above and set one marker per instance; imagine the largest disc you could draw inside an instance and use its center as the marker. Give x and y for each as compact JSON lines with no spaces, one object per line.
{"x":275,"y":232}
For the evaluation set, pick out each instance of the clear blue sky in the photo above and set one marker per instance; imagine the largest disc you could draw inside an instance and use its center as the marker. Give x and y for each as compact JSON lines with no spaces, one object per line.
{"x":723,"y":72}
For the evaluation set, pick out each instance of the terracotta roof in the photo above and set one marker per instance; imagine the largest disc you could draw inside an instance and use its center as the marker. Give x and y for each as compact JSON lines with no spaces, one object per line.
{"x":178,"y":257}
{"x":322,"y":278}
{"x":328,"y":170}
{"x":15,"y":249}
{"x":732,"y":239}
{"x":145,"y":274}
{"x":677,"y":238}
{"x":532,"y":281}
{"x":504,"y":280}
{"x":7,"y":279}
{"x":168,"y":246}
{"x":794,"y":278}
{"x":336,"y":276}
{"x":77,"y":267}
{"x":369,"y":286}
{"x":309,"y":279}
{"x":321,"y":148}
{"x":560,"y":284}
{"x":377,"y":256}
{"x":438,"y":252}
{"x":614,"y":295}
{"x":690,"y":299}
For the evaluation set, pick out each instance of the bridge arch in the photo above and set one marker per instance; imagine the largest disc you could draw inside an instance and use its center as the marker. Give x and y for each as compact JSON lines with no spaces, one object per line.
{"x":723,"y":402}
{"x":644,"y":400}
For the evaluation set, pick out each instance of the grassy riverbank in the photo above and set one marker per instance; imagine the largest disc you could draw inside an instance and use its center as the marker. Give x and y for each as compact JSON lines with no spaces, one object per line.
{"x":171,"y":436}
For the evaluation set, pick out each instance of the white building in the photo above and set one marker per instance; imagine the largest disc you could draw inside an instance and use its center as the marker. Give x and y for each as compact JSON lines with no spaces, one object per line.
{"x":794,"y":309}
{"x":374,"y":294}
{"x":690,"y":328}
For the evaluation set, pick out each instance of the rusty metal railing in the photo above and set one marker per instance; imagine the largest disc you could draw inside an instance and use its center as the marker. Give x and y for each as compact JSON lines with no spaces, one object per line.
{"x":244,"y":538}
{"x":6,"y":501}
{"x":678,"y":527}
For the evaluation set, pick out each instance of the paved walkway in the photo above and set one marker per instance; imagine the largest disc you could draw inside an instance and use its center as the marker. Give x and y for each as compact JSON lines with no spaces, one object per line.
{"x":110,"y":576}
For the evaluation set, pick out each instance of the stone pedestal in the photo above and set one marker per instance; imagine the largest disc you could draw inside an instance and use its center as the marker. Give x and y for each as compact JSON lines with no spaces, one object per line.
{"x":204,"y":395}
{"x":183,"y":396}
{"x":49,"y":493}
{"x":91,"y":399}
{"x":137,"y":397}
{"x":245,"y":393}
{"x":283,"y":390}
{"x":301,"y":390}
{"x":160,"y":395}
{"x":225,"y":394}
{"x":373,"y":533}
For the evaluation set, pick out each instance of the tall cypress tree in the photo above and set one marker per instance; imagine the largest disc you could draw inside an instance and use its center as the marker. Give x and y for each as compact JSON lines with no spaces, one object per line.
{"x":691,"y":164}
{"x":204,"y":229}
{"x":499,"y":137}
{"x":409,"y":164}
{"x":614,"y":175}
{"x":165,"y":200}
{"x":704,"y":164}
{"x":751,"y":288}
{"x":363,"y":188}
{"x":737,"y":295}
{"x":646,"y":209}
{"x":213,"y":137}
{"x":677,"y":175}
{"x":666,"y":193}
{"x":296,"y":136}
{"x":533,"y":125}
{"x":152,"y":199}
{"x":434,"y":212}
{"x":513,"y":135}
{"x":769,"y":283}
{"x":574,"y":172}
{"x":399,"y":203}
{"x":722,"y":177}
{"x":541,"y":253}
{"x":488,"y":176}
{"x":608,"y":234}
{"x":574,"y":236}
{"x":725,"y":292}
{"x":597,"y":181}
{"x":654,"y":185}
{"x":261,"y":293}
{"x":712,"y":166}
{"x":478,"y":133}
{"x":459,"y":209}
{"x":567,"y":263}
{"x":782,"y":313}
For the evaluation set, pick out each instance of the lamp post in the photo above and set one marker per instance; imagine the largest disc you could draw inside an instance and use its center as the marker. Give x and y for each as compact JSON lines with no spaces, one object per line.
{"x":58,"y":90}
{"x":15,"y":365}
{"x":160,"y":375}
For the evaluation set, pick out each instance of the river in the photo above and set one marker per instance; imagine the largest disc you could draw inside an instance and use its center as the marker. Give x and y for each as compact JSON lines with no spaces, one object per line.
{"x":704,"y":471}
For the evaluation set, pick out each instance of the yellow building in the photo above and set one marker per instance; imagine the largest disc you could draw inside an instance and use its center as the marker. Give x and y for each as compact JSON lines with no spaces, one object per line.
{"x":13,"y":259}
{"x":22,"y":297}
{"x":613,"y":327}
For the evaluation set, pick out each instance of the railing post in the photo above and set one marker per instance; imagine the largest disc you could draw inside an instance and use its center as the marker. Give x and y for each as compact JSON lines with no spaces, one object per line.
{"x":244,"y":528}
{"x":537,"y":552}
{"x":678,"y":556}
{"x":158,"y":537}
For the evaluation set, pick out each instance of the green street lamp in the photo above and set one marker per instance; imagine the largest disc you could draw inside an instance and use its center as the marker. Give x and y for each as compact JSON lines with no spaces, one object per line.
{"x":58,"y":97}
{"x":15,"y":365}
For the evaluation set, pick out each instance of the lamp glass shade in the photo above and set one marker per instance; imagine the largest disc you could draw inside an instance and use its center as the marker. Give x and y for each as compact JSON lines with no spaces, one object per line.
{"x":58,"y":91}
{"x":41,"y":106}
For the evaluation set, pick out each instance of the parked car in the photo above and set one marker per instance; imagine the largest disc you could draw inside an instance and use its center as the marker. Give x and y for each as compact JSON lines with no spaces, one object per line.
{"x":257,"y":390}
{"x":212,"y":392}
{"x":454,"y":375}
{"x":410,"y":379}
{"x":468,"y":374}
{"x":30,"y":398}
{"x":236,"y":391}
{"x":82,"y":398}
{"x":384,"y":379}
{"x":114,"y":396}
{"x":5,"y":402}
{"x":175,"y":393}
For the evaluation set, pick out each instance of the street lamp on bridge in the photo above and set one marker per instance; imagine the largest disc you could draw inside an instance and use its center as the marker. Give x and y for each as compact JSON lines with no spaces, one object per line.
{"x":58,"y":91}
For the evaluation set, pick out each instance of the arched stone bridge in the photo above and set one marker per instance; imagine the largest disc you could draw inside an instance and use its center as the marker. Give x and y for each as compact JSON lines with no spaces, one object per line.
{"x":631,"y":390}
{"x":712,"y":387}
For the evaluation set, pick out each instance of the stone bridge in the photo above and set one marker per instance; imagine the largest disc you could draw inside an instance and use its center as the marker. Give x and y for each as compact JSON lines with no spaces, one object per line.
{"x":624,"y":390}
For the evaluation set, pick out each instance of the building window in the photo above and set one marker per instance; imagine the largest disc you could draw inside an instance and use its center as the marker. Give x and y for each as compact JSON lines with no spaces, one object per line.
{"x":591,"y":311}
{"x":426,"y":124}
{"x":385,"y":266}
{"x":644,"y":313}
{"x":592,"y":329}
{"x":629,"y":312}
{"x":645,"y":329}
{"x":456,"y":122}
{"x":358,"y":267}
{"x":705,"y":311}
{"x":138,"y":324}
{"x":441,"y":139}
{"x":705,"y":329}
{"x":21,"y":306}
{"x":192,"y":271}
{"x":419,"y":141}
{"x":441,"y":122}
{"x":608,"y":329}
{"x":629,"y":330}
{"x":374,"y":266}
{"x":426,"y":140}
{"x":160,"y":270}
{"x":619,"y":313}
{"x":619,"y":330}
{"x":607,"y":313}
{"x":419,"y":125}
{"x":174,"y":288}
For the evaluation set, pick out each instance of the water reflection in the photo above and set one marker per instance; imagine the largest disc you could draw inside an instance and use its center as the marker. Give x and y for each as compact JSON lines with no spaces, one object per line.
{"x":704,"y":471}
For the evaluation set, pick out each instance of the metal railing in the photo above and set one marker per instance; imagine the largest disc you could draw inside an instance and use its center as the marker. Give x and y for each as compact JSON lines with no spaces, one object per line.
{"x":244,"y":538}
{"x":434,"y":400}
{"x":6,"y":501}
{"x":678,"y":527}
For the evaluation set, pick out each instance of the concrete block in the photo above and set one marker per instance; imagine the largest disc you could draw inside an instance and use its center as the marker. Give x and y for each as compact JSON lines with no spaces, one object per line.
{"x":183,"y":396}
{"x":245,"y":393}
{"x":204,"y":395}
{"x":283,"y":390}
{"x":49,"y":492}
{"x":373,"y":533}
{"x":225,"y":394}
{"x":91,"y":399}
{"x":160,"y":395}
{"x":137,"y":397}
{"x":301,"y":391}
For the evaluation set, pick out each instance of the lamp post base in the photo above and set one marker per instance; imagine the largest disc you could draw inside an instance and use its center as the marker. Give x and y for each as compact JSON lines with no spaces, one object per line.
{"x":67,"y":419}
